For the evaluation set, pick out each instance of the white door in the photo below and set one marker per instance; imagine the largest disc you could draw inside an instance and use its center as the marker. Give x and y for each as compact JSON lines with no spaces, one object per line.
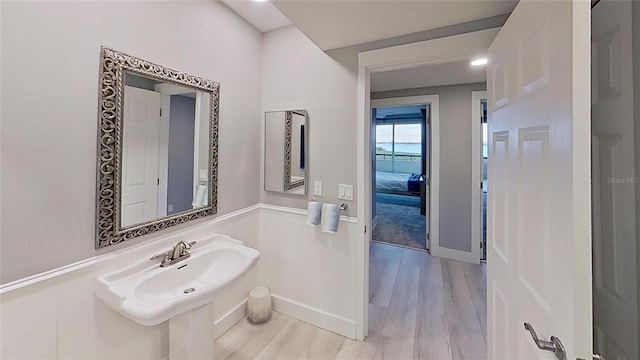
{"x":614,"y":184}
{"x":140,"y":147}
{"x":539,"y":255}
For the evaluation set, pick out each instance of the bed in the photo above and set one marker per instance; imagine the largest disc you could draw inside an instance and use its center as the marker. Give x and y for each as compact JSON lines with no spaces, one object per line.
{"x":398,"y":183}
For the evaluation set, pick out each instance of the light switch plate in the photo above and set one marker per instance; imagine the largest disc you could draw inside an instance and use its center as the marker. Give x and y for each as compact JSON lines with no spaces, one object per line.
{"x":317,"y":188}
{"x":348,"y":192}
{"x":203,"y":175}
{"x":345,"y":192}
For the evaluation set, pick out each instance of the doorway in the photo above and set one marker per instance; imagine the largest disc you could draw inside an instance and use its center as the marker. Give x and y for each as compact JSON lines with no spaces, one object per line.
{"x":400,"y":162}
{"x":480,"y":154}
{"x":376,"y":61}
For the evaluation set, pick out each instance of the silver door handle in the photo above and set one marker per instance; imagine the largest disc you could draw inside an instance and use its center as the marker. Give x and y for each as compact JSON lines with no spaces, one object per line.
{"x":555,"y":345}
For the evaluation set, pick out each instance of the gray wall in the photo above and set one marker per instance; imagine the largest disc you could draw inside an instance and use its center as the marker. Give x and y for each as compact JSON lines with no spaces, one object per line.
{"x":326,"y":84}
{"x":140,"y":82}
{"x":180,"y":169}
{"x":48,"y":143}
{"x":455,"y":159}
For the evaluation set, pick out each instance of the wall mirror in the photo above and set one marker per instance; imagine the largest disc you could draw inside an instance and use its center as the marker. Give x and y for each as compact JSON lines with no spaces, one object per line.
{"x":157,"y":148}
{"x":285,"y":160}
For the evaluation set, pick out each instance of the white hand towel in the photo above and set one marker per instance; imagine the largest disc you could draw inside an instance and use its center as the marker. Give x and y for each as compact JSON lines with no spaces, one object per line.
{"x":313,"y":213}
{"x":330,"y":218}
{"x":199,"y":197}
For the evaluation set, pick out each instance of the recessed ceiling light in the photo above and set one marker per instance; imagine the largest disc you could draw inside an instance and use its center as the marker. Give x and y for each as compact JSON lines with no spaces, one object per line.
{"x":479,"y":62}
{"x":259,"y":0}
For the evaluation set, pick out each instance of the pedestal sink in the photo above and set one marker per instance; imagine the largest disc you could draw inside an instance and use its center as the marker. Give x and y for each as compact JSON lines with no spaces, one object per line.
{"x":149,"y":294}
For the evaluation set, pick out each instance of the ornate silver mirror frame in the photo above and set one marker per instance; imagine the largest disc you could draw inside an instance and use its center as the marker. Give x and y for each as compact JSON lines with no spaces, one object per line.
{"x":289,"y":183}
{"x":113,"y":65}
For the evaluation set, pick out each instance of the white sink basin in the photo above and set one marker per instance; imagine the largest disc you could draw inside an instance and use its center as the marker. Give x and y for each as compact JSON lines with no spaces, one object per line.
{"x":149,"y":294}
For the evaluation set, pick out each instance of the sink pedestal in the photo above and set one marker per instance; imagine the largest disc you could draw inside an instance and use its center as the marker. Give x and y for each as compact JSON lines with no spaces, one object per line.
{"x":191,"y":334}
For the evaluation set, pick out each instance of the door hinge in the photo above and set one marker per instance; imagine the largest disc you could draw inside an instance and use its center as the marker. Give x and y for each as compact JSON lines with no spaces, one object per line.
{"x":481,"y":185}
{"x":365,"y":229}
{"x":428,"y":236}
{"x":480,"y":244}
{"x":161,"y":112}
{"x":158,"y":181}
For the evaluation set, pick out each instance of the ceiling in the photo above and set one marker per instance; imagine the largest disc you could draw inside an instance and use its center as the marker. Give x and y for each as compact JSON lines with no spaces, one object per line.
{"x":427,"y":76}
{"x":261,"y":14}
{"x":333,"y":24}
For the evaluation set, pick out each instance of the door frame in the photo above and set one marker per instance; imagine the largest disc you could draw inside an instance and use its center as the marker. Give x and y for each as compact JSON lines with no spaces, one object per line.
{"x":448,"y":49}
{"x":433,"y":102}
{"x":476,"y":174}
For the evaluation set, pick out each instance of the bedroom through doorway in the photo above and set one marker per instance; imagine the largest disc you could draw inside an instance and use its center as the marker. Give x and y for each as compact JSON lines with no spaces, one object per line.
{"x":400,"y":169}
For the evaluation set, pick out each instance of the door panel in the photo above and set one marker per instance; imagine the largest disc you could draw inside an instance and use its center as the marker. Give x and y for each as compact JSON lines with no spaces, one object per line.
{"x":533,"y":214}
{"x":499,"y":220}
{"x":615,"y":292}
{"x":141,"y":146}
{"x":538,"y":255}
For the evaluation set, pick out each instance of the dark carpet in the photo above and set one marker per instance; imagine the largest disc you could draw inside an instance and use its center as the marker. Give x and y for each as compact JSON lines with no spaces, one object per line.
{"x":400,"y":224}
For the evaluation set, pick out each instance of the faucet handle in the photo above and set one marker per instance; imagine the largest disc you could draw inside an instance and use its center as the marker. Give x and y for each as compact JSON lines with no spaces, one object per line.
{"x":186,"y":245}
{"x":161,"y":255}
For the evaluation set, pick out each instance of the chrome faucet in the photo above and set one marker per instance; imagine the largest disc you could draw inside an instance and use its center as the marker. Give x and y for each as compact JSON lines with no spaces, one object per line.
{"x":177,"y":253}
{"x":180,"y":250}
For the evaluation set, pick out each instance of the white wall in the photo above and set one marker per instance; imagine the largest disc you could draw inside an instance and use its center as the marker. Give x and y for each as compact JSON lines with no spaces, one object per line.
{"x":298,"y":75}
{"x":60,"y":317}
{"x":312,"y":274}
{"x":49,"y":93}
{"x":455,"y":159}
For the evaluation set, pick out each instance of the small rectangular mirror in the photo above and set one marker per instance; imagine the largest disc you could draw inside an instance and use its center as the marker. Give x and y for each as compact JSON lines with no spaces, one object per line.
{"x":285,"y":160}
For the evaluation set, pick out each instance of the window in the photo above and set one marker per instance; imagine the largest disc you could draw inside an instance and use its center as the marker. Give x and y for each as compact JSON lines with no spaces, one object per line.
{"x":399,"y":148}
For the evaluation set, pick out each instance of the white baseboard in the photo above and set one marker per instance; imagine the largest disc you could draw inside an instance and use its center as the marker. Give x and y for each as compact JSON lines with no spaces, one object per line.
{"x":314,"y":316}
{"x":226,"y":321}
{"x":454,"y":254}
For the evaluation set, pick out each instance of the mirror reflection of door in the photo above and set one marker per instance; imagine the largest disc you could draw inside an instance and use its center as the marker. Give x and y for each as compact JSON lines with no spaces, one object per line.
{"x":165,"y":157}
{"x":140,"y":149}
